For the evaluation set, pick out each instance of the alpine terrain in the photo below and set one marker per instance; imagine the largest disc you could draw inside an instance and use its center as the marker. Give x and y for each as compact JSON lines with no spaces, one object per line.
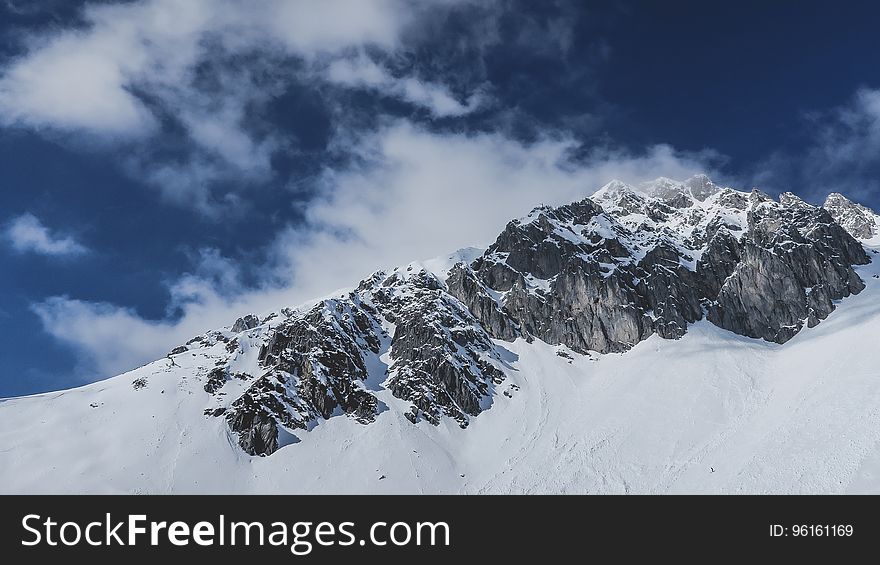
{"x":669,"y":337}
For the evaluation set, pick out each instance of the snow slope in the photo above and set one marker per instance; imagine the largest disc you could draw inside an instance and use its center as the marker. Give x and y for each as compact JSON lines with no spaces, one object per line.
{"x":711,"y":412}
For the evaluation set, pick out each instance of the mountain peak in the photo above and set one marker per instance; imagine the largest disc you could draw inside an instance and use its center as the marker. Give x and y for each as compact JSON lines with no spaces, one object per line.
{"x":698,"y":187}
{"x":837,"y":198}
{"x":792,"y":199}
{"x":614,"y":188}
{"x":860,"y":221}
{"x":701,"y":186}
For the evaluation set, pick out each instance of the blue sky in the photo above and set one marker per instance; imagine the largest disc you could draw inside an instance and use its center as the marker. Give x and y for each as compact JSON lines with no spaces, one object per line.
{"x":166,"y":166}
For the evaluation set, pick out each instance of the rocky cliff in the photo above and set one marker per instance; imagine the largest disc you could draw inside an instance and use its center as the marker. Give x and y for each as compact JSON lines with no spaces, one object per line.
{"x":604,"y":273}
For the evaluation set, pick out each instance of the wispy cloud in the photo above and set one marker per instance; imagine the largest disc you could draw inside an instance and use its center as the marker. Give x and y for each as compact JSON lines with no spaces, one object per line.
{"x":842,"y":153}
{"x":27,"y":234}
{"x":363,"y":72}
{"x":89,"y":78}
{"x":94,"y":330}
{"x":207,"y":70}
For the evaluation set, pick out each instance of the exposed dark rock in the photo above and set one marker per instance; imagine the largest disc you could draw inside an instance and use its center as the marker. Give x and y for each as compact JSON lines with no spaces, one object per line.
{"x":723,"y":253}
{"x":245,"y":323}
{"x":255,"y":416}
{"x":216,"y":379}
{"x":442,"y":356}
{"x":257,"y":429}
{"x":701,"y":187}
{"x":464,"y":284}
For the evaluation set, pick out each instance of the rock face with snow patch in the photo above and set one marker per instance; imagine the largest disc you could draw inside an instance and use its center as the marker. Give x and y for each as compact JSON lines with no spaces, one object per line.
{"x":794,"y":260}
{"x":430,"y":349}
{"x":607,"y":272}
{"x":858,"y":220}
{"x":443,"y":360}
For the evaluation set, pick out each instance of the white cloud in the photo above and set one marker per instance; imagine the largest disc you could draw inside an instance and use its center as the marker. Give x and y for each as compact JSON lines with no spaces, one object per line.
{"x":846,"y":157}
{"x":133,"y":66}
{"x":83,"y":78}
{"x":111,"y":339}
{"x":26,"y":233}
{"x":49,"y":91}
{"x":421,"y":195}
{"x":96,"y":79}
{"x":94,"y":330}
{"x":363,"y":72}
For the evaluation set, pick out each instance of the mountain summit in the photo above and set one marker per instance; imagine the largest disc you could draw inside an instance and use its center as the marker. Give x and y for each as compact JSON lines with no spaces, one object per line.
{"x":442,"y":342}
{"x":861,"y":222}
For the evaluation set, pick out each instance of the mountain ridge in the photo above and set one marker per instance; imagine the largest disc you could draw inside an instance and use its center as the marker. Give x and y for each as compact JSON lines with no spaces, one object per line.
{"x":596,"y":276}
{"x":443,"y":344}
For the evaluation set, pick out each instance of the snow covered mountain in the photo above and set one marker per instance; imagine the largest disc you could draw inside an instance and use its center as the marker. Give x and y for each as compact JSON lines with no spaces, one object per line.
{"x":675,"y":336}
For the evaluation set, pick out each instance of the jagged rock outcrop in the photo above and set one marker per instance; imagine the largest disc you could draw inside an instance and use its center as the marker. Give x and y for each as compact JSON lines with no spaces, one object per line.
{"x":597,"y":275}
{"x":245,"y":323}
{"x":314,"y":367}
{"x":795,"y":260}
{"x":607,"y":272}
{"x":442,"y":357}
{"x":316,"y":363}
{"x":858,"y":220}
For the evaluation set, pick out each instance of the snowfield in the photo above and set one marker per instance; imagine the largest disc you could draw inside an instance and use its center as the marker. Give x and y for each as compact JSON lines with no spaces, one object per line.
{"x":712,"y":412}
